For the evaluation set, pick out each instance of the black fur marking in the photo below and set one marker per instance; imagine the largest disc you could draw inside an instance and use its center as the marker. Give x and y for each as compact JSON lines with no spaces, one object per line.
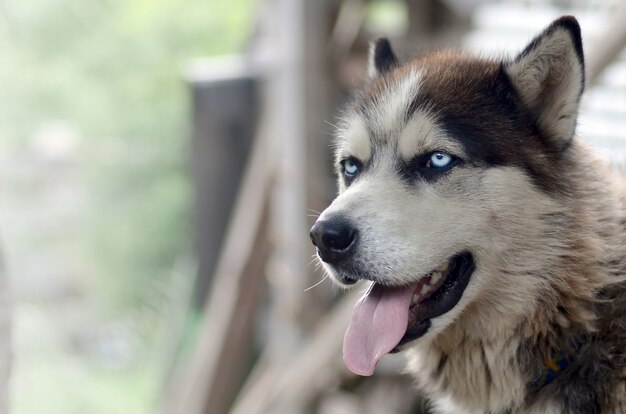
{"x":473,"y":139}
{"x":417,"y":168}
{"x":384,"y":59}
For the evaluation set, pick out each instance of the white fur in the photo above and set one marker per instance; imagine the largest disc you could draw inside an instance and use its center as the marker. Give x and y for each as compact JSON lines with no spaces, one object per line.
{"x":387,"y":113}
{"x":354,"y":139}
{"x":371,"y":64}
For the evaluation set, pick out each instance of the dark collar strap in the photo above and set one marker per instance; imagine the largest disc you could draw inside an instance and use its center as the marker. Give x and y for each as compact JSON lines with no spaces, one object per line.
{"x":553,"y":365}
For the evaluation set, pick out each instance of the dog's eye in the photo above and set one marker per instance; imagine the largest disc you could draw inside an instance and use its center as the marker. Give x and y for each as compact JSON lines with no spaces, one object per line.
{"x":350,"y":167}
{"x":439,"y":159}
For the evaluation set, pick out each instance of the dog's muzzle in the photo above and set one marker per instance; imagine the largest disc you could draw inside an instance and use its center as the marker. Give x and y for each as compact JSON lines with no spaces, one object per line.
{"x":335,"y":239}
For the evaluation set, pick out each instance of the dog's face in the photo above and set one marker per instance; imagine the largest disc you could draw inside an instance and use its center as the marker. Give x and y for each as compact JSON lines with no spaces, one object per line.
{"x":442,"y":164}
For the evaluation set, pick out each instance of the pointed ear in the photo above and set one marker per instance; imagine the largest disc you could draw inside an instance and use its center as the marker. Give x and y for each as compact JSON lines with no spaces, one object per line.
{"x":549,"y":76}
{"x":381,"y":58}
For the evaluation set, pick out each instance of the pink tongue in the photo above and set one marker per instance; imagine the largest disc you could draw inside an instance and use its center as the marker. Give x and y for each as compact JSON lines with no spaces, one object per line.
{"x":378,"y":324}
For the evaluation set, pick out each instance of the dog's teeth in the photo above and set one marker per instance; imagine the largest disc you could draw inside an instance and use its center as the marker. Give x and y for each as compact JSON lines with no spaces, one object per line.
{"x":443,"y":267}
{"x":425,"y":289}
{"x":416,"y":297}
{"x":435,"y":278}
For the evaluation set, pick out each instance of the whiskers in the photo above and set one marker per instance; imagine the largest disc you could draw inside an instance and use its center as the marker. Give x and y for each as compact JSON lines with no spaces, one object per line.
{"x":313,"y":213}
{"x":318,"y":283}
{"x":315,"y":261}
{"x":318,"y":264}
{"x":333,"y":126}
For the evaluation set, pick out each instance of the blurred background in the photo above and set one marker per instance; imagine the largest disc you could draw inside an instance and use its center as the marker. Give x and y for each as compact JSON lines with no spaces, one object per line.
{"x":161,"y":163}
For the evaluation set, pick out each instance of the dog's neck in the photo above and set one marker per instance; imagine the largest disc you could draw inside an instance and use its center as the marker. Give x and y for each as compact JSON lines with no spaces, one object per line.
{"x":497,"y":372}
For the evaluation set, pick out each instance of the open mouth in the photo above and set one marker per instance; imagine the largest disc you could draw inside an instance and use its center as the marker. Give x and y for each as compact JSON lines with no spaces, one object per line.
{"x":386,"y":318}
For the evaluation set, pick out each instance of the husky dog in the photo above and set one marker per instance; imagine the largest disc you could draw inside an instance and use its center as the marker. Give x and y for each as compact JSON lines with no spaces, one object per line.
{"x":494,"y":240}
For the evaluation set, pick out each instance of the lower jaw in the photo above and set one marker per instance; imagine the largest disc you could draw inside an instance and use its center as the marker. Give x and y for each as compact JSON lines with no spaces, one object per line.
{"x":442,"y":301}
{"x":413,"y":333}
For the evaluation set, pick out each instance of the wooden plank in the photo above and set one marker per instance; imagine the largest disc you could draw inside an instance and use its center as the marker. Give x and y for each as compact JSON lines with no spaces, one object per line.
{"x":605,"y":48}
{"x":310,"y":367}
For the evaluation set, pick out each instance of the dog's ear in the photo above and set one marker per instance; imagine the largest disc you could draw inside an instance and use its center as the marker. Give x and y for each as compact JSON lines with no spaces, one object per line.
{"x":549,"y":76}
{"x":381,"y":58}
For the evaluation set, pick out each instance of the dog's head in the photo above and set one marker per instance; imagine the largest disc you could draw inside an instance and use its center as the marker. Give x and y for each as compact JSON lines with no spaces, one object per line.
{"x":444,"y":163}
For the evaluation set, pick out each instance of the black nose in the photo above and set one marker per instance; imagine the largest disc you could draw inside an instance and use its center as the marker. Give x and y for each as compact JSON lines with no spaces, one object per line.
{"x":334,"y":239}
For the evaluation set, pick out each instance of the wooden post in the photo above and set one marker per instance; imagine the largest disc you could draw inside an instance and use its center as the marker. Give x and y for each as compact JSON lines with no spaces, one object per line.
{"x":286,"y":94}
{"x":301,"y":93}
{"x":224,"y":112}
{"x":208,"y":382}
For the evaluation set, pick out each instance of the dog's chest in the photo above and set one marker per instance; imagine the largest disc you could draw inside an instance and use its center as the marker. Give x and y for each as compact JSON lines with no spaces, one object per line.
{"x":470,"y":376}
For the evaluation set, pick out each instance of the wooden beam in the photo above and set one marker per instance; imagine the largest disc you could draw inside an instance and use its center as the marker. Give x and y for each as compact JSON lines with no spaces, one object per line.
{"x":307,"y":370}
{"x":224,"y":91}
{"x":605,"y":48}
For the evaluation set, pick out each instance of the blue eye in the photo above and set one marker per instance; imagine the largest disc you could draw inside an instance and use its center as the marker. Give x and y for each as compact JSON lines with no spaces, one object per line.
{"x":350,"y":167}
{"x":439,"y":160}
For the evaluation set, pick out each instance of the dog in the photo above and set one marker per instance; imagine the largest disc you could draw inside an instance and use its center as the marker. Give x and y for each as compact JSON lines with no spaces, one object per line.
{"x":493,"y":240}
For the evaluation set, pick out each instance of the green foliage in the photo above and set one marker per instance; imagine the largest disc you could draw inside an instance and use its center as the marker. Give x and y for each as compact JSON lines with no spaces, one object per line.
{"x":50,"y":380}
{"x":113,"y":70}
